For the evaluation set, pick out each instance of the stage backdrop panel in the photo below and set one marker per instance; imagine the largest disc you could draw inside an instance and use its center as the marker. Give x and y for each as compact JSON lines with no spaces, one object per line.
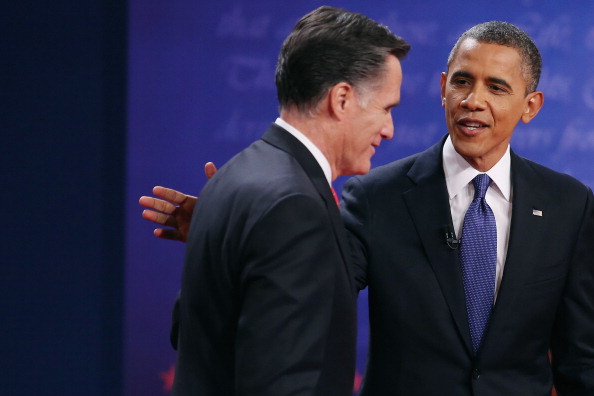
{"x":201,"y":88}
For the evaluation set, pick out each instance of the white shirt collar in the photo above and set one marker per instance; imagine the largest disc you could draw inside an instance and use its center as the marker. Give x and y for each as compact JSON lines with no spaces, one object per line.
{"x":459,"y":173}
{"x":322,"y":160}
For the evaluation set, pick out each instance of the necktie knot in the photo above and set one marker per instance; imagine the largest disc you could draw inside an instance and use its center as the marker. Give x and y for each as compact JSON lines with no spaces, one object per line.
{"x":481,"y":184}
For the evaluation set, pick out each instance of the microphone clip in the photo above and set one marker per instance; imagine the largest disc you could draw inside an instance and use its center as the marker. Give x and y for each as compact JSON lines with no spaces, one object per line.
{"x":451,"y":240}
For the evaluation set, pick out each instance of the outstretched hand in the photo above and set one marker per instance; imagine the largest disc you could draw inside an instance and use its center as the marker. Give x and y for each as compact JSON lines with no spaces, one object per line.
{"x":174,"y":209}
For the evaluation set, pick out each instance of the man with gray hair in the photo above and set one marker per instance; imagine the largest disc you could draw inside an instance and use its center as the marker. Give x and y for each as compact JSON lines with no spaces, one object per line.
{"x":267,"y":304}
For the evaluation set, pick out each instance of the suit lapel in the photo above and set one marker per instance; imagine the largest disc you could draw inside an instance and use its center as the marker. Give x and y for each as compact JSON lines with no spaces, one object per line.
{"x":524,"y":227}
{"x":431,"y":216}
{"x":278,"y":137}
{"x":428,"y":204}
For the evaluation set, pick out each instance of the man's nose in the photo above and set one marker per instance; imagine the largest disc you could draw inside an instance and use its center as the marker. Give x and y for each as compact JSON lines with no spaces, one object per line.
{"x":475,"y":100}
{"x":388,"y":130}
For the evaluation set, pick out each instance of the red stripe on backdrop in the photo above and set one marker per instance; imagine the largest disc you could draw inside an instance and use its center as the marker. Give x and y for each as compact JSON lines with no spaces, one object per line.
{"x":167,"y":377}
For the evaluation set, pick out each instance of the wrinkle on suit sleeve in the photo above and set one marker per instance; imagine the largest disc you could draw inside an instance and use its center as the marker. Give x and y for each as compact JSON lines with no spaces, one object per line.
{"x":572,"y":345}
{"x":285,"y":294}
{"x":355,"y":214}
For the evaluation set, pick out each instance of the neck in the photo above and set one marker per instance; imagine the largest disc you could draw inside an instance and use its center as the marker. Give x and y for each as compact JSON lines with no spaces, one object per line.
{"x":315,"y":128}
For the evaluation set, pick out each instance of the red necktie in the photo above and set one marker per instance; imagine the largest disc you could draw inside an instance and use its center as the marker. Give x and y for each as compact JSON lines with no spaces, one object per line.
{"x":335,"y":196}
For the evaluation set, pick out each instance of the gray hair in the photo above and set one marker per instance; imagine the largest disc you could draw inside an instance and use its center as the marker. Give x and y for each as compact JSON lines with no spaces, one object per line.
{"x":328,"y":46}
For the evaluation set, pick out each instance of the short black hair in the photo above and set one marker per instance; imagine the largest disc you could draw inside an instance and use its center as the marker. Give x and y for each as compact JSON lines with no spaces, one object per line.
{"x":504,"y":33}
{"x":330,"y":45}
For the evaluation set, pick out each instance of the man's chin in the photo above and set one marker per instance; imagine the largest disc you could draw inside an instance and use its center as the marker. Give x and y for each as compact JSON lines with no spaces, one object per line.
{"x":360,"y":168}
{"x":363,"y":169}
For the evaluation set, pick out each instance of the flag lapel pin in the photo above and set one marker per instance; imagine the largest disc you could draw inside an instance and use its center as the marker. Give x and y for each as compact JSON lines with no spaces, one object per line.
{"x":537,"y":212}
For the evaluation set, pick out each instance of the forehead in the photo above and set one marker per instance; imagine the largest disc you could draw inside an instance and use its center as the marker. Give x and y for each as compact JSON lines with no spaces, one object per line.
{"x":392,"y":78}
{"x":479,"y":58}
{"x":384,"y":90}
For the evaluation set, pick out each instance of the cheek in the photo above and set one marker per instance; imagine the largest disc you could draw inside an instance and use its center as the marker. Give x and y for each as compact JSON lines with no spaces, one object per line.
{"x":451,"y":103}
{"x":504,"y":114}
{"x":364,"y":138}
{"x":450,"y":112}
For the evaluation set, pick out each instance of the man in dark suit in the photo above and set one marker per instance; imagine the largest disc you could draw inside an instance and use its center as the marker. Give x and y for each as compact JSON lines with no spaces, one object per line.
{"x":406,"y":220}
{"x":267,"y":303}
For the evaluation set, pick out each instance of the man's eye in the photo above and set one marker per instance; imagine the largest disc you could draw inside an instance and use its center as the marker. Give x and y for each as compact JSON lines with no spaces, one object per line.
{"x":461,"y":82}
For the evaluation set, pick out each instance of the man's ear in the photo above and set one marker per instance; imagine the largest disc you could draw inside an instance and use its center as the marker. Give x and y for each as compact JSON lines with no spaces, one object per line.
{"x":340,"y":98}
{"x":534,"y":102}
{"x":443,"y":81}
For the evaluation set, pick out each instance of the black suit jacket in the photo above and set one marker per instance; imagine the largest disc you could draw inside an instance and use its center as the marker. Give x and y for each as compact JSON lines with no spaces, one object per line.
{"x":267,"y":304}
{"x":419,"y":338}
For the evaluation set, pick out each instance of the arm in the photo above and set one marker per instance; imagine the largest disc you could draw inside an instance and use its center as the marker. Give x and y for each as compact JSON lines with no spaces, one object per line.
{"x":572,"y":344}
{"x":174,"y":209}
{"x":354,"y":211}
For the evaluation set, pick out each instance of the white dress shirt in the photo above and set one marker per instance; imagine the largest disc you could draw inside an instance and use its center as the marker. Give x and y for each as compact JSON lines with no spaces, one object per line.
{"x":459,"y":175}
{"x":321,"y":158}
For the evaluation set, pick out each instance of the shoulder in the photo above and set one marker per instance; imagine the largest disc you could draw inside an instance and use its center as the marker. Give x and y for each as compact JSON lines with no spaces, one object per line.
{"x":393,"y":170}
{"x":260,"y":167}
{"x":404,"y":172}
{"x":255,"y":180}
{"x":399,"y":175}
{"x":555,"y":183}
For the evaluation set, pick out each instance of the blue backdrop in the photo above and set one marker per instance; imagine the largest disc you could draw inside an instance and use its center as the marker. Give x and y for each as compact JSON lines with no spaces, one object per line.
{"x":201,"y":88}
{"x":63,"y":128}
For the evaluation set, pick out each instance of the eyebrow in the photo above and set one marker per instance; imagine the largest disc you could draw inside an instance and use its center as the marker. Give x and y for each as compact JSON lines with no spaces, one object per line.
{"x":495,"y":80}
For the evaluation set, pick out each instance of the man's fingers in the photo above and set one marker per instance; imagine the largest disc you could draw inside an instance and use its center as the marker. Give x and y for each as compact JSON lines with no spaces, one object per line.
{"x":157,"y":204}
{"x":172,"y":235}
{"x":210,"y":169}
{"x":159,"y":218}
{"x":170,"y":195}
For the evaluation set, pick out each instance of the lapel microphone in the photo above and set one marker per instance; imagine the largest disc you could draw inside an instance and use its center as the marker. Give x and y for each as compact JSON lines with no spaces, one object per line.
{"x":451,"y":240}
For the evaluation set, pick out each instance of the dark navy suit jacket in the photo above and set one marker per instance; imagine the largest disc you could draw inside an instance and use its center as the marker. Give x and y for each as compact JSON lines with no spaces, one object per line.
{"x":419,"y":337}
{"x":267,"y":303}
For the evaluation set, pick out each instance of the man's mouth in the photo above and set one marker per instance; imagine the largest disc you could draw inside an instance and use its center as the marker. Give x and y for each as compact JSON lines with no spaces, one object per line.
{"x":472,"y":125}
